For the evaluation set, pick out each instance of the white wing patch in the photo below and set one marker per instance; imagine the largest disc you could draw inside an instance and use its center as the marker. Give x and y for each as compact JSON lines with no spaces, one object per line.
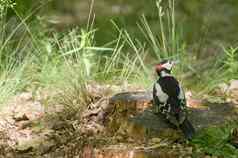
{"x":163,"y":97}
{"x":181,"y":95}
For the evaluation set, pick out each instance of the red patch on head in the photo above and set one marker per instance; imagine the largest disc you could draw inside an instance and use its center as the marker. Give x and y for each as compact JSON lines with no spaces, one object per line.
{"x":158,"y":67}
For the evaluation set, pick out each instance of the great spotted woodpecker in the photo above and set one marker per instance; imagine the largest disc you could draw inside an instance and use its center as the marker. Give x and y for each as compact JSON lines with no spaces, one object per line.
{"x":169,"y":97}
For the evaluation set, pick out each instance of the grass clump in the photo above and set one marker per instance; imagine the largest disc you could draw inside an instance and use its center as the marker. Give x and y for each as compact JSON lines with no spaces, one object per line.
{"x":220,"y":69}
{"x":215,"y":141}
{"x":230,"y":62}
{"x":166,"y":44}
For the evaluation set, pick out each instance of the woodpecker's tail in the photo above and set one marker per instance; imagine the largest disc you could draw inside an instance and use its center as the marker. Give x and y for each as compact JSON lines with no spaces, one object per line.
{"x":187,"y":129}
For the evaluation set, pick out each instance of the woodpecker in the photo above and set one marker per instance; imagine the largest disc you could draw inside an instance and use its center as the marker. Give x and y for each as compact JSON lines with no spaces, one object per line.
{"x":169,"y":98}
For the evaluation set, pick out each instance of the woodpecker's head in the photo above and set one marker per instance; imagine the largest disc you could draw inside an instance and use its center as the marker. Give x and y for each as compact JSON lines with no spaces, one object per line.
{"x":165,"y":66}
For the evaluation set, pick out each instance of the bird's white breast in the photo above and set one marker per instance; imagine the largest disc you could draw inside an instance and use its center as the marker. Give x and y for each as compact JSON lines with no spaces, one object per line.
{"x":163,"y":97}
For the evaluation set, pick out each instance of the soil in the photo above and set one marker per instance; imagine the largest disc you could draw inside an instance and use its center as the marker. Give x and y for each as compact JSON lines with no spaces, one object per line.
{"x":122,"y":125}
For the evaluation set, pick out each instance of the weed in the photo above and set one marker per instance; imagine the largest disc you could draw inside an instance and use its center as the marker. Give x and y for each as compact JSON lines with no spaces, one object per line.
{"x":215,"y":141}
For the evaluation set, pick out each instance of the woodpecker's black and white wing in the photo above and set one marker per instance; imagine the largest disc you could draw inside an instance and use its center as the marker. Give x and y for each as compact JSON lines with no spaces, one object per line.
{"x":166,"y":94}
{"x":182,"y":98}
{"x":159,"y":97}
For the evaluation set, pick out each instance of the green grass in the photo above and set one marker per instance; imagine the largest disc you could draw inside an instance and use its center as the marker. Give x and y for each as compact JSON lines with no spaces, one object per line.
{"x":46,"y":61}
{"x":38,"y":61}
{"x":32,"y":58}
{"x":216,"y":70}
{"x":214,"y":141}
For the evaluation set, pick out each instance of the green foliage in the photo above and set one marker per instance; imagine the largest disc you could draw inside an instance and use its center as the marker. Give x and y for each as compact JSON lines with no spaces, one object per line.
{"x":23,"y":7}
{"x":231,"y":60}
{"x":224,"y":67}
{"x":167,"y":43}
{"x":20,"y":8}
{"x":4,"y":5}
{"x":215,"y":141}
{"x":80,"y":49}
{"x":13,"y":53}
{"x":11,"y":81}
{"x":161,"y":42}
{"x":73,"y":94}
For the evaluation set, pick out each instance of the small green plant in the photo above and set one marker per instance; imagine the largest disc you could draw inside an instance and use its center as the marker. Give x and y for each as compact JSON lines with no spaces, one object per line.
{"x":73,"y":94}
{"x":13,"y":80}
{"x":215,"y":141}
{"x":231,"y":60}
{"x":4,"y":5}
{"x":224,"y":67}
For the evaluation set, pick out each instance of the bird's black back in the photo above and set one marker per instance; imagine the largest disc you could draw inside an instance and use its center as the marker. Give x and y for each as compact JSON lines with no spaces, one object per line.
{"x":170,"y":86}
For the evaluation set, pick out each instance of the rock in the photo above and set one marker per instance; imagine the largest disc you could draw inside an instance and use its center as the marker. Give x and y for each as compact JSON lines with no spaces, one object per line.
{"x":28,"y":111}
{"x":23,"y":124}
{"x":230,"y":91}
{"x":45,"y":146}
{"x":25,"y":96}
{"x":222,"y":88}
{"x":233,"y":91}
{"x":192,"y":102}
{"x":22,"y":107}
{"x":38,"y":143}
{"x":24,"y":148}
{"x":233,"y":85}
{"x":25,"y":145}
{"x":20,"y":117}
{"x":195,"y":103}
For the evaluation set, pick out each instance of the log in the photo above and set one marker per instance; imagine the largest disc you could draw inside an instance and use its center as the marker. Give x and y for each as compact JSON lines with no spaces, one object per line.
{"x":134,"y":115}
{"x":131,"y":114}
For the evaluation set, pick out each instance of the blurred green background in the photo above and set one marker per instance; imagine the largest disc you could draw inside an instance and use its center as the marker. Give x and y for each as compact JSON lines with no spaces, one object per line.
{"x":203,"y":23}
